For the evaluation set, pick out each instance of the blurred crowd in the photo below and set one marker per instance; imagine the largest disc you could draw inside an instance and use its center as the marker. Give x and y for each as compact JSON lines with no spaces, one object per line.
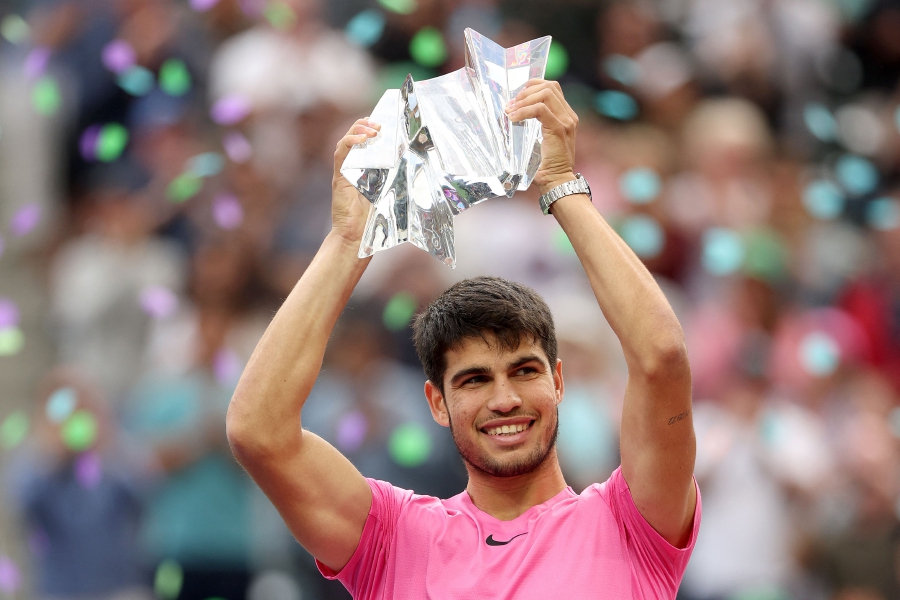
{"x":165,"y":172}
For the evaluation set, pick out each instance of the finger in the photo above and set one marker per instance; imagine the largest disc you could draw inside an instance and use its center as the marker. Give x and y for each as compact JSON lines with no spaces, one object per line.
{"x":345,"y":144}
{"x":534,"y":86}
{"x":553,"y":104}
{"x":542,"y":113}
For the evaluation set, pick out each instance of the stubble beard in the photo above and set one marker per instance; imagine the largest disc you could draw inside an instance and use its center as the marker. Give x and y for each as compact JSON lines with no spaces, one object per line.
{"x":488,"y":465}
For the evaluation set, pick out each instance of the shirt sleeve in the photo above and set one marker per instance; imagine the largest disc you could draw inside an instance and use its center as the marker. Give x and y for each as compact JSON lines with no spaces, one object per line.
{"x":657,"y":565}
{"x":364,"y":575}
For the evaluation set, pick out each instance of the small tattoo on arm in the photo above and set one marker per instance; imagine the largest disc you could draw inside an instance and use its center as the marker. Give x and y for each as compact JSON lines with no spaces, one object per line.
{"x":677,"y":418}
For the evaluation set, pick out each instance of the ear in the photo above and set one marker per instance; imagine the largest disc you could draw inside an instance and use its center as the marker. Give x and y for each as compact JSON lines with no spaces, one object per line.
{"x":437,"y":404}
{"x":558,"y":381}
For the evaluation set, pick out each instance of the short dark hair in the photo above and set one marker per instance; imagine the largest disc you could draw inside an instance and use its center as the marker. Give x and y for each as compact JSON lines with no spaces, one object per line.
{"x":475,"y":307}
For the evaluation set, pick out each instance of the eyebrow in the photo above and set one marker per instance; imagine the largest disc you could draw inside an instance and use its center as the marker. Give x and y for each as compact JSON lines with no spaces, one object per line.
{"x":481,"y":370}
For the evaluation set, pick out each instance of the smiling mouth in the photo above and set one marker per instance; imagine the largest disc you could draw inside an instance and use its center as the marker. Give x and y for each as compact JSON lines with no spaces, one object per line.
{"x":509,"y":430}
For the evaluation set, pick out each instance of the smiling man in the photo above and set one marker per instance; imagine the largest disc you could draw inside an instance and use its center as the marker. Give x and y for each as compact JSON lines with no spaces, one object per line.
{"x":488,"y":348}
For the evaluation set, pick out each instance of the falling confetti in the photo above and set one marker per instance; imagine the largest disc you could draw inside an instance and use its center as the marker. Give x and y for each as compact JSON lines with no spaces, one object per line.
{"x":12,"y":340}
{"x":229,"y":110}
{"x":227,"y":368}
{"x":36,"y":62}
{"x":174,"y":78}
{"x":168,"y":580}
{"x":237,"y":147}
{"x":723,"y":251}
{"x":428,"y":48}
{"x":823,"y":199}
{"x":856,"y":174}
{"x":621,"y":68}
{"x":79,"y":432}
{"x":87,"y":143}
{"x":45,"y":96}
{"x":643,"y":234}
{"x":203,"y":5}
{"x":557,"y":61}
{"x":118,"y":56}
{"x":883,"y":214}
{"x":184,"y":187}
{"x":640,"y":185}
{"x":15,"y":29}
{"x":616,"y":105}
{"x":25,"y":220}
{"x":10,"y":577}
{"x":61,"y":404}
{"x":111,"y":141}
{"x":403,"y":7}
{"x":365,"y":28}
{"x":351,"y":431}
{"x":14,"y":429}
{"x":136,"y":80}
{"x":88,"y":470}
{"x":158,"y":301}
{"x":820,"y":122}
{"x":206,"y":164}
{"x":280,"y":15}
{"x":399,"y":311}
{"x":409,"y":445}
{"x":227,"y":211}
{"x":820,"y":354}
{"x":9,"y":313}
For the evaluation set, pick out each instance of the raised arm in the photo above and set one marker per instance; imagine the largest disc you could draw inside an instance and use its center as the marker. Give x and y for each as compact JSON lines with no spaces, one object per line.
{"x":322,"y":497}
{"x":657,"y":438}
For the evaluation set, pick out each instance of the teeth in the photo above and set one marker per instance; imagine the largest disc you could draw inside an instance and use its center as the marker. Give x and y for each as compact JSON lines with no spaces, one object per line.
{"x":508,"y":429}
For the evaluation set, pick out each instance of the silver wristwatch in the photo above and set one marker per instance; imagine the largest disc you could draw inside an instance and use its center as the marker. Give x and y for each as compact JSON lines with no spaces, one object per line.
{"x":579,"y":185}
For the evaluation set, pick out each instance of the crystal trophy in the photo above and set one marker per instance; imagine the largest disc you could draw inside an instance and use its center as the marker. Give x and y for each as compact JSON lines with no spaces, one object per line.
{"x":446,"y":144}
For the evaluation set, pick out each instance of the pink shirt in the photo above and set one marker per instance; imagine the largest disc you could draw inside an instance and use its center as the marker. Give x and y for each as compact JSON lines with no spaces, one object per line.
{"x":592,"y":545}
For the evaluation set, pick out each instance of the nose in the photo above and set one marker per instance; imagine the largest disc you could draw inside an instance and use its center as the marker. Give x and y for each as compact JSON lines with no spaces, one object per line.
{"x":505,"y":397}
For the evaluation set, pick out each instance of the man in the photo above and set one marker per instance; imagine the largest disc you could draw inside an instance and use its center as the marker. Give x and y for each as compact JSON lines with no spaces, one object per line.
{"x":489,"y":352}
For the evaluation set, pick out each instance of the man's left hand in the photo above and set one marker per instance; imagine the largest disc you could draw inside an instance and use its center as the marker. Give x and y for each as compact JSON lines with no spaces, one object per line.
{"x":544,"y":101}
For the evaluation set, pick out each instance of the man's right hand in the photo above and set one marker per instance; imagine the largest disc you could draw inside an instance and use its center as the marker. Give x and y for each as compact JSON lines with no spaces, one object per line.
{"x":349,"y":208}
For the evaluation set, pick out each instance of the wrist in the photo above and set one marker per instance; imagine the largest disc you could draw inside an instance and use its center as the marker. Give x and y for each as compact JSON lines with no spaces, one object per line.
{"x":346,"y":243}
{"x":547,"y":184}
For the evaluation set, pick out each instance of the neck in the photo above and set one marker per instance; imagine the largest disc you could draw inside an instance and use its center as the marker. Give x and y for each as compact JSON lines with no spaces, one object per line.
{"x":506,"y":498}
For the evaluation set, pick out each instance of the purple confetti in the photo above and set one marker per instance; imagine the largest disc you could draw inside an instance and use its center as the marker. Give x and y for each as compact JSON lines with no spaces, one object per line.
{"x":87,"y":144}
{"x":38,"y":543}
{"x":253,"y":8}
{"x":9,"y":313}
{"x":88,"y":470}
{"x":227,"y":211}
{"x":36,"y":62}
{"x":159,"y":302}
{"x":119,"y":56}
{"x":25,"y":219}
{"x":227,"y":367}
{"x":9,"y":575}
{"x":237,"y":147}
{"x":351,"y":431}
{"x":230,"y":109}
{"x":203,"y":5}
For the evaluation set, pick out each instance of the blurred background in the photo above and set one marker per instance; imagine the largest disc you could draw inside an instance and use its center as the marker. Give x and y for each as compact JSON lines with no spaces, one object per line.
{"x":165,"y":173}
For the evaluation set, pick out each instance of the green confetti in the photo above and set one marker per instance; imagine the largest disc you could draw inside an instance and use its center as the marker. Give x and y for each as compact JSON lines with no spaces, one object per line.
{"x":399,"y":311}
{"x":427,"y":47}
{"x":280,"y":15}
{"x":169,"y":579}
{"x":15,"y":29}
{"x":79,"y":432}
{"x":14,"y":429}
{"x":616,"y":105}
{"x":46,"y":97}
{"x":409,"y":445}
{"x":174,"y":78}
{"x":403,"y":7}
{"x":365,"y":28}
{"x":111,"y":142}
{"x":557,"y":61}
{"x":184,"y":187}
{"x":11,"y":341}
{"x":206,"y":164}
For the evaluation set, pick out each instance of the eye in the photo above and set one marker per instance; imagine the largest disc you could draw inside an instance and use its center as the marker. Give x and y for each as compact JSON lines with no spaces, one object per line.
{"x":525,"y":370}
{"x":475,"y":379}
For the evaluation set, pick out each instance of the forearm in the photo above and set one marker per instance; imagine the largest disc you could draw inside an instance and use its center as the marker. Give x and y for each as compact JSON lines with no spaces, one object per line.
{"x":265,"y":408}
{"x":629,"y":297}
